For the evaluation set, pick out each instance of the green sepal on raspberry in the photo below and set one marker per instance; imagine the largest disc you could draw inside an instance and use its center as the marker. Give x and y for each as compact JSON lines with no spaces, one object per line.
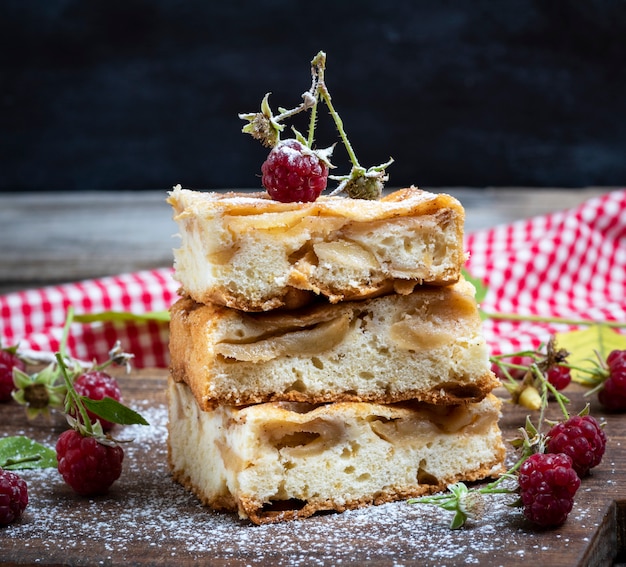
{"x":262,"y":125}
{"x":362,"y":183}
{"x":463,"y":502}
{"x":39,"y":392}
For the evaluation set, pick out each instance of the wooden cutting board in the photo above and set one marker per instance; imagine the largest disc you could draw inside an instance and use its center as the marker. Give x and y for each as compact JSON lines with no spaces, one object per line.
{"x":147,"y":519}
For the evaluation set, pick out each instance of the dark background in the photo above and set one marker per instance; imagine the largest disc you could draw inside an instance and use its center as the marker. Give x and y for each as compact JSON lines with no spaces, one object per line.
{"x":143,"y":94}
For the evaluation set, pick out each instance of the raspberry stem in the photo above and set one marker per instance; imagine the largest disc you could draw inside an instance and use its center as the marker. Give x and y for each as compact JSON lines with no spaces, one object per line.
{"x":72,"y":398}
{"x":10,"y":462}
{"x":565,"y":321}
{"x":288,"y":113}
{"x":319,"y":66}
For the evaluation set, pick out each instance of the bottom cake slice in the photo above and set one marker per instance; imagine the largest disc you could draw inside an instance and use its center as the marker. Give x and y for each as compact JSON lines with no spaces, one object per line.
{"x":280,"y":461}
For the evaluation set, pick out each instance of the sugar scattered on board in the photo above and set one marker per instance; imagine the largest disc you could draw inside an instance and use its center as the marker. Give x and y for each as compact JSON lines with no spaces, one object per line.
{"x":147,"y":510}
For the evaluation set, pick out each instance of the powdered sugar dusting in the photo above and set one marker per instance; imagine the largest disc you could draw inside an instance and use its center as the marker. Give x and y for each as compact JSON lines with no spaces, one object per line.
{"x":147,"y":517}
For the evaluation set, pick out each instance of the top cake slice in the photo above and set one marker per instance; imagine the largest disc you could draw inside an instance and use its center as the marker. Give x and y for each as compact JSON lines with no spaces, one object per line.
{"x":251,"y":253}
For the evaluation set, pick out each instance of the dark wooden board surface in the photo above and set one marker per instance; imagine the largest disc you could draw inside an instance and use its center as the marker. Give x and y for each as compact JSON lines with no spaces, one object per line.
{"x":148,"y":520}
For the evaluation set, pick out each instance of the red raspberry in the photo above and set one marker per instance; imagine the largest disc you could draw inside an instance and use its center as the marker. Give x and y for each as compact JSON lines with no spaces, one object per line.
{"x":7,"y":361}
{"x":559,"y":376}
{"x":548,"y":484}
{"x":293,"y":173}
{"x":616,"y":358}
{"x":88,"y":466}
{"x":97,"y":385}
{"x":613,"y":393}
{"x":582,"y":439}
{"x":13,"y":497}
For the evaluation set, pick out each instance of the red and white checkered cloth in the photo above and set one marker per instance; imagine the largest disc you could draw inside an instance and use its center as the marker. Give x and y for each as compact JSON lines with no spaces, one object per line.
{"x":570,"y":264}
{"x":34,"y":319}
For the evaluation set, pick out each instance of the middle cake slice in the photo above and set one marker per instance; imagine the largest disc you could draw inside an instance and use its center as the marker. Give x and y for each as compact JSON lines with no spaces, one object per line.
{"x":427,"y":346}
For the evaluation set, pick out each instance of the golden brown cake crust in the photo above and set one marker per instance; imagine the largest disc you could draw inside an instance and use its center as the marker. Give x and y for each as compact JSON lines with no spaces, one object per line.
{"x":255,"y":511}
{"x":258,"y":514}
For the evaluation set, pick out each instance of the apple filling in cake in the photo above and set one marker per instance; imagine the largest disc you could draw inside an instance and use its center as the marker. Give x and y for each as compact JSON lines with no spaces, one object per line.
{"x":279,"y":461}
{"x":426,"y":345}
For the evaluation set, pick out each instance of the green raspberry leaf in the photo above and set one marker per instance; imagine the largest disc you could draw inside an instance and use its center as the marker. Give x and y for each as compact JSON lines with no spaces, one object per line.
{"x":120,"y":316}
{"x":481,"y":287}
{"x":20,"y":452}
{"x":113,"y":411}
{"x":583,"y":346}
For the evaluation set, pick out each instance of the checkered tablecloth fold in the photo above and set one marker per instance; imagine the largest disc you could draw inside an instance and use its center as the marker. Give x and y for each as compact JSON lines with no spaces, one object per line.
{"x":34,"y":319}
{"x":570,"y":264}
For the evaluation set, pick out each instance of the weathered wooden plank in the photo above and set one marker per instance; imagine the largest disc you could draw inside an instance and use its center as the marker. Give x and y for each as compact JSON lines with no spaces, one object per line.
{"x":149,"y":520}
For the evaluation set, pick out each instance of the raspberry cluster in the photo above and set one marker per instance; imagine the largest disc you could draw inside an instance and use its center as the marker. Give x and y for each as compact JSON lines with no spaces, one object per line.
{"x":612,"y":395}
{"x":292,"y":172}
{"x":548,"y":484}
{"x":89,"y":466}
{"x":89,"y":459}
{"x":548,"y":481}
{"x":97,"y":385}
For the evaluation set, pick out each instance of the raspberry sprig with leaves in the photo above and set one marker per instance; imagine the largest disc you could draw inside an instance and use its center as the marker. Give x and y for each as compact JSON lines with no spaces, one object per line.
{"x":90,"y":460}
{"x":45,"y":390}
{"x":294,"y":170}
{"x":88,"y":457}
{"x":606,"y":378}
{"x":547,"y":474}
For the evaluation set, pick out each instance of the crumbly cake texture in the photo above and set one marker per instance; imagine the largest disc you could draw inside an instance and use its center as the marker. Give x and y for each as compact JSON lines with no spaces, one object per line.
{"x":281,"y":461}
{"x":251,"y":253}
{"x":427,"y":345}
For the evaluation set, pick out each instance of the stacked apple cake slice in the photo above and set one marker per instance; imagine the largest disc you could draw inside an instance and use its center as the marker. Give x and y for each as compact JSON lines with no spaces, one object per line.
{"x":325,"y":355}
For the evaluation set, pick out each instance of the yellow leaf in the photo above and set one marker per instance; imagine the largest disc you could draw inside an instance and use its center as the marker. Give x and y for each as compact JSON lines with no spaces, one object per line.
{"x":583,"y":345}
